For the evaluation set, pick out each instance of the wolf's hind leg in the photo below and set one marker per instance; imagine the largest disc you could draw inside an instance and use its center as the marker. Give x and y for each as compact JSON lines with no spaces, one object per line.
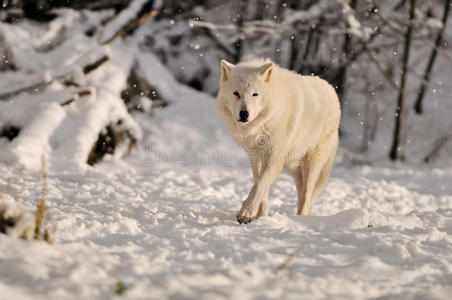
{"x":324,"y":174}
{"x":327,"y":167}
{"x":313,"y":173}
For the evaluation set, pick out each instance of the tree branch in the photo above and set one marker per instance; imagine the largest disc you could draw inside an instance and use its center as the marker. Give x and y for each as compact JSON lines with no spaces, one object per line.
{"x":80,"y":94}
{"x":131,"y":26}
{"x":59,"y":76}
{"x":439,"y":38}
{"x":439,"y":144}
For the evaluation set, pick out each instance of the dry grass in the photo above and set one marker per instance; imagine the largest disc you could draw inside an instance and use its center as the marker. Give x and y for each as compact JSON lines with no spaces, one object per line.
{"x":41,"y":226}
{"x":41,"y":208}
{"x":287,"y":262}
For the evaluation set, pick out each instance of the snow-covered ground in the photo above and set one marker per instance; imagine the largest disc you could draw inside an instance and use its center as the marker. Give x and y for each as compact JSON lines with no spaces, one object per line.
{"x":162,"y":220}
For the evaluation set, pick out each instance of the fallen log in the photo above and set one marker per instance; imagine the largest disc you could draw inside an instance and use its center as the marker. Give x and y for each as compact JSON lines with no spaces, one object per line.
{"x":73,"y":76}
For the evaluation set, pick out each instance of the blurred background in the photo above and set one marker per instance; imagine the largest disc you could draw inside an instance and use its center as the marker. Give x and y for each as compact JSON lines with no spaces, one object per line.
{"x":390,"y":62}
{"x":111,"y":148}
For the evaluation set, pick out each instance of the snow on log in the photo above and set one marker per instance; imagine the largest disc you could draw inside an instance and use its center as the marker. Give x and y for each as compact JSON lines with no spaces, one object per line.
{"x":37,"y":121}
{"x":19,"y":82}
{"x":62,"y":103}
{"x":126,"y":20}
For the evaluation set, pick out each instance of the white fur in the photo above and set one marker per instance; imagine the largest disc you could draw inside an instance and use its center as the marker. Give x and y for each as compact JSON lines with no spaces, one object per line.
{"x":293,"y":123}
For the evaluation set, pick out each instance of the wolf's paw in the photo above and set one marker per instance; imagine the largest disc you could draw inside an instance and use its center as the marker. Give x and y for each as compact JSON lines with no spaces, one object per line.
{"x":246,"y":216}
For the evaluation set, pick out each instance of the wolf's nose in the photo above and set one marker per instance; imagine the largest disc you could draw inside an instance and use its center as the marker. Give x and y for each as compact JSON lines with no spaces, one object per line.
{"x":244,"y":115}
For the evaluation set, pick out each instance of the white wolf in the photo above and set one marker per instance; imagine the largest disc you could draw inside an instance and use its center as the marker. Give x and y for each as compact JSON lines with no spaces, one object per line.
{"x":281,"y":119}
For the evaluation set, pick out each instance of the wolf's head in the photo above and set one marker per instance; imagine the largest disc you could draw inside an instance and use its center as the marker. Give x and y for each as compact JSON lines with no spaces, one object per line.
{"x":244,"y":89}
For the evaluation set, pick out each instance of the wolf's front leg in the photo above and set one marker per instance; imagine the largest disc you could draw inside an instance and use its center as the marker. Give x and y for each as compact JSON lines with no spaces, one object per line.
{"x":250,"y":207}
{"x":257,"y":170}
{"x":265,"y":171}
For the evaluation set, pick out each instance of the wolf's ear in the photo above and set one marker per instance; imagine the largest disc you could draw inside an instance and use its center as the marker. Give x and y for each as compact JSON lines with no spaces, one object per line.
{"x":266,"y":71}
{"x":225,"y":70}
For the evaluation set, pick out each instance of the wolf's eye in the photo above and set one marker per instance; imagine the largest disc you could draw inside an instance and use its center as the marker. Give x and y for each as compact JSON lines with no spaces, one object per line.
{"x":255,"y":94}
{"x":237,"y":94}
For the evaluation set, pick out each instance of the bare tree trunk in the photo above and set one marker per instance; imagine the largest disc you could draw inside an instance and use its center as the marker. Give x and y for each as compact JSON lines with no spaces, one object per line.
{"x":339,"y":83}
{"x":239,"y":43}
{"x":400,"y":5}
{"x":294,"y":42}
{"x":342,"y":71}
{"x":279,"y":9}
{"x":440,"y":143}
{"x":371,"y":116}
{"x":260,"y":9}
{"x":318,"y":35}
{"x":439,"y":38}
{"x":306,"y":50}
{"x":400,"y":109}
